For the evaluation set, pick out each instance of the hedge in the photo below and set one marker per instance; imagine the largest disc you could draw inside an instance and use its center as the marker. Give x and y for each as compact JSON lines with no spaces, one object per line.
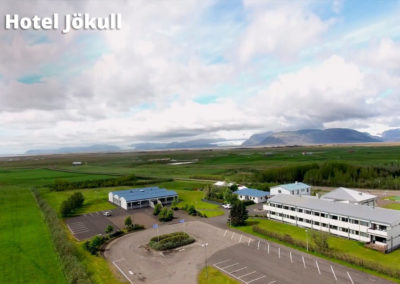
{"x":74,"y":270}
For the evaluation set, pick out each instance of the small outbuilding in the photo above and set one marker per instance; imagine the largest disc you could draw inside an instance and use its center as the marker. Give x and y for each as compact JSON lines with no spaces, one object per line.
{"x":142,"y":197}
{"x":297,"y":188}
{"x":258,"y":196}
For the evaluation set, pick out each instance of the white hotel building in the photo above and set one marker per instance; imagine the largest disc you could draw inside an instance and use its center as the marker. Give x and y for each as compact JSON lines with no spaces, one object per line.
{"x":358,"y":222}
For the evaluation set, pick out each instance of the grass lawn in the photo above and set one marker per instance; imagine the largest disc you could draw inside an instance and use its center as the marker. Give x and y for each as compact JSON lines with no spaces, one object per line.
{"x":195,"y":198}
{"x":27,"y":252}
{"x":214,"y":276}
{"x":390,"y":260}
{"x":395,"y":206}
{"x":394,"y":198}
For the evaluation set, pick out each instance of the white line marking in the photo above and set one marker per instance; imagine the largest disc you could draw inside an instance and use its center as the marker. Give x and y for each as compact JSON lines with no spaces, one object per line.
{"x":249,"y":242}
{"x":222,"y":261}
{"x":279,"y":252}
{"x":239,"y":269}
{"x":256,"y":279}
{"x":268,"y":248}
{"x":258,"y":246}
{"x":230,"y":265}
{"x":240,"y":277}
{"x":130,"y":272}
{"x":232,"y":235}
{"x":272,"y":282}
{"x":334,"y":275}
{"x":303,"y":261}
{"x":291,"y":259}
{"x":225,"y":233}
{"x":240,"y":238}
{"x":120,"y":270}
{"x":351,"y":280}
{"x":319,"y":271}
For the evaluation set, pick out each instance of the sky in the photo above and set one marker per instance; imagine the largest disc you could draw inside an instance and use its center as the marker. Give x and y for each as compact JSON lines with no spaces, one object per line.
{"x":183,"y":70}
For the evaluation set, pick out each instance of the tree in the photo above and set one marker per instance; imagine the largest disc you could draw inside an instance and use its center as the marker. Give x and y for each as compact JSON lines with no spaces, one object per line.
{"x":229,"y":197}
{"x":192,"y":211}
{"x":128,"y":222}
{"x":321,"y":240}
{"x":65,"y":208}
{"x":157,"y":209}
{"x":109,"y":229}
{"x":174,"y":205}
{"x":238,"y":214}
{"x":233,"y":187}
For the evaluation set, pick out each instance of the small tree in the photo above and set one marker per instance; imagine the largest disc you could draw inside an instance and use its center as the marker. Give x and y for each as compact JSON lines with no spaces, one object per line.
{"x":174,"y":205}
{"x":128,"y":222}
{"x":233,"y":187}
{"x":238,"y":213}
{"x":157,"y":209}
{"x":191,"y":210}
{"x":109,"y":229}
{"x":65,"y":208}
{"x":321,"y":240}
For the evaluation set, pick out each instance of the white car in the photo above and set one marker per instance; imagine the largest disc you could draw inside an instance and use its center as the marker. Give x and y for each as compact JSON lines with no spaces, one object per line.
{"x":107,"y":213}
{"x":227,"y":206}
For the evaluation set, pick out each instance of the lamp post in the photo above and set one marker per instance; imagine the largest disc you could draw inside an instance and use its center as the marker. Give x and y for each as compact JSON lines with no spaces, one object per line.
{"x":307,"y":238}
{"x":205,"y":261}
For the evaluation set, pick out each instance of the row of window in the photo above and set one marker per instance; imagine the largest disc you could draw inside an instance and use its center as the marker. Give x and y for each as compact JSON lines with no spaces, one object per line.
{"x":321,"y":224}
{"x":325,"y":215}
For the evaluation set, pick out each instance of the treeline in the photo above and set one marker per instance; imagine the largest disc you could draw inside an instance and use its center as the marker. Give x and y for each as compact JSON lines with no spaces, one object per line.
{"x":129,"y":180}
{"x":336,"y":174}
{"x":73,"y":202}
{"x":74,"y":270}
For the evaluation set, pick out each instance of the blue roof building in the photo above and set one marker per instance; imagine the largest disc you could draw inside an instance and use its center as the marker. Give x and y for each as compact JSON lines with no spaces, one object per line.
{"x":255,"y":195}
{"x":142,"y":197}
{"x":296,"y":188}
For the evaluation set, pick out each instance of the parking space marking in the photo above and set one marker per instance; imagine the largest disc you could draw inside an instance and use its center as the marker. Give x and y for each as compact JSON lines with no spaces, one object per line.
{"x":230,"y":265}
{"x":225,"y":233}
{"x":258,"y":246}
{"x":240,"y":238}
{"x":279,"y":252}
{"x":237,"y":270}
{"x":268,"y":248}
{"x":255,"y":279}
{"x":247,"y":274}
{"x":120,"y":270}
{"x":272,"y":282}
{"x":232,"y":235}
{"x":304,"y":262}
{"x":291,"y":259}
{"x":222,"y":261}
{"x":249,"y":242}
{"x":334,"y":275}
{"x":351,"y":280}
{"x":316,"y":263}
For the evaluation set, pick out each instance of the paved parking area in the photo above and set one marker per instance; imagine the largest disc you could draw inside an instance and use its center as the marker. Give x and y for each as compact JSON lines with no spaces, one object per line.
{"x":272,"y":263}
{"x":244,"y":257}
{"x":88,"y":225}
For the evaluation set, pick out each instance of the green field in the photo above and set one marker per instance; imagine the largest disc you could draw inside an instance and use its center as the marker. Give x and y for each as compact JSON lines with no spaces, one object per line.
{"x":395,"y":206}
{"x":27,"y":253}
{"x":390,"y":260}
{"x":212,"y":275}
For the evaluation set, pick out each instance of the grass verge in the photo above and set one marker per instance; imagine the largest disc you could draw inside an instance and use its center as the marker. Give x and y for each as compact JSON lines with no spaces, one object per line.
{"x":210,"y":274}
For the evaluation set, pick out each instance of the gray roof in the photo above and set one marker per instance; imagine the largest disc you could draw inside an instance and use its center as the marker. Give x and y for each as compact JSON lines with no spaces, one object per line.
{"x":251,"y":192}
{"x":375,"y":214}
{"x":144,"y":193}
{"x":351,"y":195}
{"x":293,"y":186}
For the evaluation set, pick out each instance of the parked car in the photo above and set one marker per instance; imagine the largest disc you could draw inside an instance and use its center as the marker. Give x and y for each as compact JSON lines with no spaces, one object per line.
{"x":107,"y":213}
{"x":227,"y":206}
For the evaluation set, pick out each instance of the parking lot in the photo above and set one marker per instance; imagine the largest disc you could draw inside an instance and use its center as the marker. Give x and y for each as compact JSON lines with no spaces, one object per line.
{"x":243,"y":257}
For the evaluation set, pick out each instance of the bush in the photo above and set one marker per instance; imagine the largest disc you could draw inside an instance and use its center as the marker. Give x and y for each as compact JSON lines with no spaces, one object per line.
{"x":170,"y":241}
{"x":93,"y":246}
{"x":166,"y":215}
{"x":174,"y":205}
{"x":157,"y":209}
{"x":128,"y":221}
{"x":74,"y":270}
{"x":69,"y":205}
{"x":109,"y":229}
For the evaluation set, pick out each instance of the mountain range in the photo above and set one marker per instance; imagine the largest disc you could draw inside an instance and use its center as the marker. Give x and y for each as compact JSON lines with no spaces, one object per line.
{"x":280,"y":138}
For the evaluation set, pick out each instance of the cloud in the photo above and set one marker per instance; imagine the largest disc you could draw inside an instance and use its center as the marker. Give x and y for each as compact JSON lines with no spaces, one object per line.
{"x":282,"y":29}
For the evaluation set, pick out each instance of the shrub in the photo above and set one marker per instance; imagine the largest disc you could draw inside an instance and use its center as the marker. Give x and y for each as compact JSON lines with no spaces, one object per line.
{"x":157,"y":209}
{"x":109,"y":229}
{"x":166,"y":215}
{"x":69,"y":205}
{"x":170,"y":241}
{"x":93,"y":246}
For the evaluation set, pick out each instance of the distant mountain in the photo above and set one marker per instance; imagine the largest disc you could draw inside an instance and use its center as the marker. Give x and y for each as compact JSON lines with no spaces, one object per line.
{"x":256,"y":139}
{"x":69,"y":150}
{"x":391,"y":135}
{"x":313,"y":136}
{"x":200,"y":143}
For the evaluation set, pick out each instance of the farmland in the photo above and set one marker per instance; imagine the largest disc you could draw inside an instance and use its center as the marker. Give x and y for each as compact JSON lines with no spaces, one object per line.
{"x":35,"y":259}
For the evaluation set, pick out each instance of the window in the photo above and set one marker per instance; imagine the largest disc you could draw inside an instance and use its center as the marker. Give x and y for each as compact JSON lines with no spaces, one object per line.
{"x":354,"y":221}
{"x":323,"y":215}
{"x":292,"y":192}
{"x":301,"y":219}
{"x":308,"y":212}
{"x":324,"y":225}
{"x":316,"y":223}
{"x":291,"y":217}
{"x":316,"y":213}
{"x":280,"y":215}
{"x":279,"y":191}
{"x":292,"y":208}
{"x":344,"y":219}
{"x":308,"y":221}
{"x":300,"y":210}
{"x":382,"y":228}
{"x":333,"y":227}
{"x":279,"y":206}
{"x":334,"y":217}
{"x":344,"y":230}
{"x":362,"y":234}
{"x":363,"y":223}
{"x":286,"y":207}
